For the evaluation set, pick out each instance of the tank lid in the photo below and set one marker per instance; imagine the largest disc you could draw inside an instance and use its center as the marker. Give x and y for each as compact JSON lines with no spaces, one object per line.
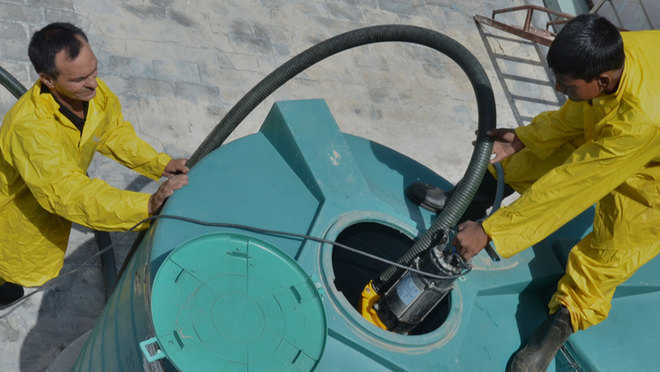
{"x":229,"y":302}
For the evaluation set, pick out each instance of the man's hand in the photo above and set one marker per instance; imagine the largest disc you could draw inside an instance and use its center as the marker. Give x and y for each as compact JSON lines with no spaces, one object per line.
{"x":174,"y":167}
{"x":166,"y":189}
{"x":471,"y":239}
{"x":506,"y":143}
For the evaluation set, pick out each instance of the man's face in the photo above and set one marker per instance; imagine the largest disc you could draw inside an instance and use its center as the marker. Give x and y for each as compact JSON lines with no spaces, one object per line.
{"x":76,"y":77}
{"x":577,"y":89}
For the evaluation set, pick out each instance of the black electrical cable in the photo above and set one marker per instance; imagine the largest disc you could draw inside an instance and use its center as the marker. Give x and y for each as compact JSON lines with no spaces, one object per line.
{"x":467,"y":267}
{"x":301,"y":236}
{"x":234,"y":226}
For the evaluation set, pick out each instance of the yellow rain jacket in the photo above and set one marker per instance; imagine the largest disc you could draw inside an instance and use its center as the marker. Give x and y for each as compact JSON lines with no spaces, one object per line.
{"x":605,"y":152}
{"x":43,"y":182}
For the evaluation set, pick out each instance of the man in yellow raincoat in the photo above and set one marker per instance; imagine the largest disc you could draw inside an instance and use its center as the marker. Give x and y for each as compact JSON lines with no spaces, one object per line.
{"x":47,"y":141}
{"x":603,"y":147}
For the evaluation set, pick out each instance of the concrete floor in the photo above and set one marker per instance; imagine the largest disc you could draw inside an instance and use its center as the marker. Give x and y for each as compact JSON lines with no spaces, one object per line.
{"x":178,"y":66}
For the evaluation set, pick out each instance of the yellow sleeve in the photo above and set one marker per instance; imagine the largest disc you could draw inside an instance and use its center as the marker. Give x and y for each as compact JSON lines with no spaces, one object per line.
{"x":591,"y":172}
{"x":549,"y":130}
{"x":45,"y":164}
{"x":121,"y":143}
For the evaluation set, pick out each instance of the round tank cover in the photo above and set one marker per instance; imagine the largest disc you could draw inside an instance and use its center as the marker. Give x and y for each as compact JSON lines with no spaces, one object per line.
{"x":228,"y":302}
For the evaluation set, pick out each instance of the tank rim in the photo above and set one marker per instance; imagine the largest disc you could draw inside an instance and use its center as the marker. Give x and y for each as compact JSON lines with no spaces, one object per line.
{"x":384,"y":339}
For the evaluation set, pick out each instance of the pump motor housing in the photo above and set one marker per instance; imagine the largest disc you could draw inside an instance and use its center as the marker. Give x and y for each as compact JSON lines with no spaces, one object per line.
{"x":414,"y":295}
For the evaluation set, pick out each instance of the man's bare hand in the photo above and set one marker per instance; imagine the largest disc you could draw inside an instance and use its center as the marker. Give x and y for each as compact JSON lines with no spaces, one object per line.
{"x":506,"y":143}
{"x":471,"y":239}
{"x":165,"y":190}
{"x":174,"y":167}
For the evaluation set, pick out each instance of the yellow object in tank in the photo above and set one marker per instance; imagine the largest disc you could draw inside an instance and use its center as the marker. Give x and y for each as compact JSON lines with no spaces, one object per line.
{"x":368,"y":299}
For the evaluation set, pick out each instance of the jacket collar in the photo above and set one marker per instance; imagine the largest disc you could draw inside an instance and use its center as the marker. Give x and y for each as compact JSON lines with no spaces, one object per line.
{"x":623,"y":92}
{"x":44,"y":104}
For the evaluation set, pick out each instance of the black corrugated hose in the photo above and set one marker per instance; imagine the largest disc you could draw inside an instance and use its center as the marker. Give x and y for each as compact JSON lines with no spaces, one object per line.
{"x":13,"y":86}
{"x":464,"y":191}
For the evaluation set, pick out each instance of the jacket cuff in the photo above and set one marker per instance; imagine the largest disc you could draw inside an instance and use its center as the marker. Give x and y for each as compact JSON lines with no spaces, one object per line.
{"x":524,"y":133}
{"x":155,"y":168}
{"x":145,"y":207}
{"x":526,"y":136}
{"x":498,"y":245}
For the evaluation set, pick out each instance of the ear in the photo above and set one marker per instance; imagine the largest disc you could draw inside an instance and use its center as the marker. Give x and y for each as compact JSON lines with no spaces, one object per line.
{"x":603,"y":80}
{"x":47,"y":80}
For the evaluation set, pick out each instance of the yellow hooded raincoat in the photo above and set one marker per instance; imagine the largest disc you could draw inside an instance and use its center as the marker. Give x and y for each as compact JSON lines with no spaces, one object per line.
{"x":605,"y":152}
{"x":43,"y":182}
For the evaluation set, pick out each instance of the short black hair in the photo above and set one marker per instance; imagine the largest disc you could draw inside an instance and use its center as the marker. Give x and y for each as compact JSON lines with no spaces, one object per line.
{"x":49,"y":41}
{"x":586,"y":46}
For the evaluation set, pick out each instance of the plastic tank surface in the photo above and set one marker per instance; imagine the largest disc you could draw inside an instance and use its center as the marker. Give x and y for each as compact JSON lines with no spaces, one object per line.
{"x":206,"y":298}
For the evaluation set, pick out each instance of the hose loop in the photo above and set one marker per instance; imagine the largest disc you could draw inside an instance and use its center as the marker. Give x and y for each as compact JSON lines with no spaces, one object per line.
{"x":466,"y":188}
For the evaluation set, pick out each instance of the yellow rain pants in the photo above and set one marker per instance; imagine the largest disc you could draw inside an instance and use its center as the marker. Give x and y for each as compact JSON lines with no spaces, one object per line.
{"x":607,"y":152}
{"x":43,"y":182}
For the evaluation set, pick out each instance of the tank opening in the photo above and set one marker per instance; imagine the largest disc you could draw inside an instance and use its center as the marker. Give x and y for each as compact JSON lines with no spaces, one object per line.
{"x":353,"y":271}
